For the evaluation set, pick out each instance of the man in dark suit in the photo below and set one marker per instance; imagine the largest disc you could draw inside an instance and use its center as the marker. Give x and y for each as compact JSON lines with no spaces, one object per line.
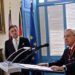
{"x":67,"y":61}
{"x":15,"y":43}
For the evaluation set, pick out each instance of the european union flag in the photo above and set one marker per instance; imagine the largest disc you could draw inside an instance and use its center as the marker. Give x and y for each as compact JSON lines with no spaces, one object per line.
{"x":33,"y":34}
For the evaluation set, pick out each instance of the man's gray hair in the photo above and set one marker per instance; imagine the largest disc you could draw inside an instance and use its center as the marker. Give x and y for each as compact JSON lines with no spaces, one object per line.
{"x":71,"y":30}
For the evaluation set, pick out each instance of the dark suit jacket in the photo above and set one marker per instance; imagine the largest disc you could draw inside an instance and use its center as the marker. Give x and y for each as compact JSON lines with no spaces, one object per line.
{"x":9,"y":48}
{"x":70,"y":64}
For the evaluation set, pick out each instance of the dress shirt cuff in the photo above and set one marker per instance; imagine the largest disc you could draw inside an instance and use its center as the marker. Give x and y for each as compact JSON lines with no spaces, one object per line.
{"x":65,"y":68}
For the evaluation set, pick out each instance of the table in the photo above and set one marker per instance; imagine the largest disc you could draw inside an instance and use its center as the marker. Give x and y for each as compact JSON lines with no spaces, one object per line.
{"x":10,"y":67}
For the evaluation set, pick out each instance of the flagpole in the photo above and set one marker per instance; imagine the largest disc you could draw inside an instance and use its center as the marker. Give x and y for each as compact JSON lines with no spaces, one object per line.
{"x":20,"y":20}
{"x":9,"y":18}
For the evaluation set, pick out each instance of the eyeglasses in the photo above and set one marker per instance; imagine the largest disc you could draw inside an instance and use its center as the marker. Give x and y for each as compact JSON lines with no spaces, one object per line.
{"x":68,"y":36}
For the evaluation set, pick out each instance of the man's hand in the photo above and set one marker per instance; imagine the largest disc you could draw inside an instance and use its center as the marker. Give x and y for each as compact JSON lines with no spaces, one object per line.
{"x":57,"y":68}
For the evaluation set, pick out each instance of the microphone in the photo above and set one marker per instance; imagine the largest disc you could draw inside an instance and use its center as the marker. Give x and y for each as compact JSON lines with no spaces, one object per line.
{"x":33,"y":52}
{"x":14,"y":54}
{"x":45,"y":45}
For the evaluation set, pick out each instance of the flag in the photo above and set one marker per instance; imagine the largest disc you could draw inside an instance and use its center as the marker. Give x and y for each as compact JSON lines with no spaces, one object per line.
{"x":10,"y":21}
{"x":33,"y":42}
{"x":20,"y":24}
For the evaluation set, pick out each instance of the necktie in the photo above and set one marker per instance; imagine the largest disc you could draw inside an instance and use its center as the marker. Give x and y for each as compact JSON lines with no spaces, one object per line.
{"x":16,"y":44}
{"x":70,"y":54}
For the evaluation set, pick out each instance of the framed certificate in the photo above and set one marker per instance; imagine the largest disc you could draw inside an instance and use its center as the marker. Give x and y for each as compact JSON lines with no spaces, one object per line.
{"x":2,"y":22}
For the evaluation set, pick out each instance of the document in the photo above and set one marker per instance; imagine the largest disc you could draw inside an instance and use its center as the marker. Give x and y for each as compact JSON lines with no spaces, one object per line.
{"x":35,"y":67}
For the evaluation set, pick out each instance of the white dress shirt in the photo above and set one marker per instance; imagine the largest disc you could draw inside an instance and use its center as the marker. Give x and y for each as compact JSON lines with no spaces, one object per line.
{"x":15,"y":43}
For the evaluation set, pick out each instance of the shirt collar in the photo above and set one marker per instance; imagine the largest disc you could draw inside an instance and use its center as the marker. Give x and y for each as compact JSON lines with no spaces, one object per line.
{"x":16,"y":39}
{"x":72,"y":46}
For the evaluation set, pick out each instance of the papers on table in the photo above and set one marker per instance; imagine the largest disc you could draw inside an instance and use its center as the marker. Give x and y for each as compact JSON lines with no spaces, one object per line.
{"x":40,"y":68}
{"x":36,"y":67}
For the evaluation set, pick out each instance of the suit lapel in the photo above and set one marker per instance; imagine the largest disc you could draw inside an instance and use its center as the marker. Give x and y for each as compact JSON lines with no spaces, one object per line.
{"x":19,"y":43}
{"x":74,"y":52}
{"x":12,"y":46}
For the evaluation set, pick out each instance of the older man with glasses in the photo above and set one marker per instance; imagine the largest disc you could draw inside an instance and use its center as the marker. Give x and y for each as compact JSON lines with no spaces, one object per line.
{"x":67,"y":61}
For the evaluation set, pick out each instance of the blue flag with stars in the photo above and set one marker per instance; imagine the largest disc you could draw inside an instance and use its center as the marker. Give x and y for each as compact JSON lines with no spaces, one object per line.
{"x":33,"y":42}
